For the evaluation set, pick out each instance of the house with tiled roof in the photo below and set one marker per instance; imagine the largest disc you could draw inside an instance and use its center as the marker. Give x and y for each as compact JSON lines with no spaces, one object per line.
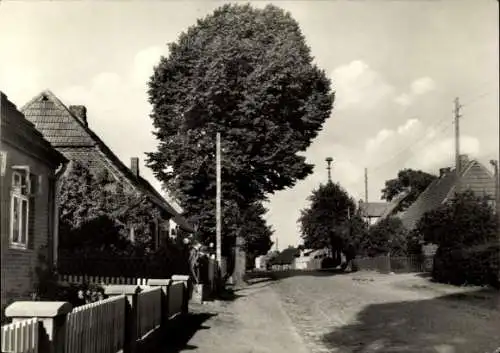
{"x":29,"y":168}
{"x":473,"y":176}
{"x":67,"y":129}
{"x":374,"y":212}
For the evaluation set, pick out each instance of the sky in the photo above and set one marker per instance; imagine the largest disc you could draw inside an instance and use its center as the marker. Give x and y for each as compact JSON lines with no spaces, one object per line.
{"x":396,"y":68}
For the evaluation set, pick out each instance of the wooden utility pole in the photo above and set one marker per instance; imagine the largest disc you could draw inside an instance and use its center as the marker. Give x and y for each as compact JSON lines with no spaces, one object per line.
{"x":366,"y":185}
{"x":218,"y":237}
{"x":497,"y":186}
{"x":456,"y":115}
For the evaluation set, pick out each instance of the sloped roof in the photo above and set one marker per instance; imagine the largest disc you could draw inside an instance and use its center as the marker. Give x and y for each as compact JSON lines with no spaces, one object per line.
{"x":394,"y":203}
{"x":373,"y":209}
{"x":429,"y":199}
{"x":17,"y":129}
{"x":63,"y":129}
{"x":56,"y":122}
{"x":435,"y":194}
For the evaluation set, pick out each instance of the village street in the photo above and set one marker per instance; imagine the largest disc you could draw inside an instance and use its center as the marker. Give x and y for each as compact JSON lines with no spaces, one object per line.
{"x":349,"y":313}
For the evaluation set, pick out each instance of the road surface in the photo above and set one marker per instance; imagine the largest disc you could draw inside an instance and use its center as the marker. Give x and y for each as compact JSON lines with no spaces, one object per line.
{"x":364,"y":313}
{"x":346,"y":313}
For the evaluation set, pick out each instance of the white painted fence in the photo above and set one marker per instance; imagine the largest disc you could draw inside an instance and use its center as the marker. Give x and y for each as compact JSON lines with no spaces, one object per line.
{"x":21,"y":337}
{"x":73,"y":279}
{"x":132,"y":318}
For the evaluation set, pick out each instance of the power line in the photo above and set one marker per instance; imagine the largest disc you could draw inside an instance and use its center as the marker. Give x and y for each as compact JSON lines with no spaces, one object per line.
{"x":477,"y":98}
{"x":416,"y":142}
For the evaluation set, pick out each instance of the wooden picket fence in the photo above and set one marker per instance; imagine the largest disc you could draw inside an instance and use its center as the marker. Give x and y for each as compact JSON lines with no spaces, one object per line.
{"x":175,"y":299}
{"x":101,"y":280}
{"x":149,"y":311}
{"x":130,"y":322}
{"x":96,"y":327}
{"x":396,"y":264}
{"x":22,"y":336}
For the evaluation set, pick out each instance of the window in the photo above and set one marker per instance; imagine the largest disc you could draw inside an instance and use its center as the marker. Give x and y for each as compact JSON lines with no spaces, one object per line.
{"x":19,"y":210}
{"x":22,"y":207}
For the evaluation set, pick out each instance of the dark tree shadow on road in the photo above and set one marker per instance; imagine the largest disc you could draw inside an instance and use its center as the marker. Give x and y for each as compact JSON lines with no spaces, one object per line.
{"x":177,"y":336}
{"x":424,"y":326}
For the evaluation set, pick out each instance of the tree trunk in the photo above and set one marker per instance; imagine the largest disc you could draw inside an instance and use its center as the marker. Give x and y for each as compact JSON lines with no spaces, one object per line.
{"x":239,"y":262}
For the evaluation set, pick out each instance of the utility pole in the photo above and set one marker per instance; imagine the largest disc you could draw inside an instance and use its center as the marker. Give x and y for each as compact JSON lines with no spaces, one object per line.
{"x":218,"y":237}
{"x":329,"y":161}
{"x":497,"y":187}
{"x":497,"y":198}
{"x":366,"y":185}
{"x":456,"y":114}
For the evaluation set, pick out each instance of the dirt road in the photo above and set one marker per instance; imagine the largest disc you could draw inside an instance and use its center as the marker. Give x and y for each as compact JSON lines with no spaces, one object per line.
{"x":255,"y":322}
{"x":346,"y":313}
{"x":364,"y":313}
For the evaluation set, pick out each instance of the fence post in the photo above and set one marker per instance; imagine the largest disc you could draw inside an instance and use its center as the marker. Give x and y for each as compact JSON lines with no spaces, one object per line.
{"x":130,"y":291}
{"x":53,"y":316}
{"x":164,"y":284}
{"x":187,"y":291}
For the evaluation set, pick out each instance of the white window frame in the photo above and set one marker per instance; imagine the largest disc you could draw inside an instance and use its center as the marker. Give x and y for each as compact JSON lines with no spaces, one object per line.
{"x":17,"y":197}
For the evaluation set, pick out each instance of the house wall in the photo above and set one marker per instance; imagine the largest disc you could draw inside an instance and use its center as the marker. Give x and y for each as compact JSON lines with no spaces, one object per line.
{"x":18,"y":265}
{"x":479,"y":181}
{"x":96,"y":161}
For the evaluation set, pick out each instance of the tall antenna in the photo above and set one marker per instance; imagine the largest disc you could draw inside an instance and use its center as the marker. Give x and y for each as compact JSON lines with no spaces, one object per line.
{"x":329,"y":161}
{"x":366,"y":185}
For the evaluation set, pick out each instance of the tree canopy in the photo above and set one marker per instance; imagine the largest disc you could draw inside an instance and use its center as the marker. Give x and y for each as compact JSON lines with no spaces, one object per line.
{"x":248,"y":74}
{"x":388,"y":236}
{"x":325,"y":223}
{"x":416,"y":181}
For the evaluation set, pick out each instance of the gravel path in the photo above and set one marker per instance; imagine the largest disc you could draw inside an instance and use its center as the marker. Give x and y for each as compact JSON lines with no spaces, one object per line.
{"x":253,"y":323}
{"x":364,"y":313}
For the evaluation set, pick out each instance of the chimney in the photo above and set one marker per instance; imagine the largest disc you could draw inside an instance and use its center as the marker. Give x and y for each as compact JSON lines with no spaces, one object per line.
{"x":134,"y":166}
{"x":80,"y":111}
{"x":444,"y":171}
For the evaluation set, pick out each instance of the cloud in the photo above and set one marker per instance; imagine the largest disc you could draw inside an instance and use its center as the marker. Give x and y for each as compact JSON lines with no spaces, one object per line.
{"x":359,"y":86}
{"x":418,"y":87}
{"x":422,"y":85}
{"x":22,"y":82}
{"x":145,"y":61}
{"x":403,"y":99}
{"x":120,"y":100}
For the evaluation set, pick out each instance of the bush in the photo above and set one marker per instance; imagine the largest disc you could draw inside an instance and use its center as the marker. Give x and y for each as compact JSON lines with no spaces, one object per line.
{"x":476,"y":266}
{"x":466,"y":232}
{"x":329,"y":262}
{"x":77,"y":295}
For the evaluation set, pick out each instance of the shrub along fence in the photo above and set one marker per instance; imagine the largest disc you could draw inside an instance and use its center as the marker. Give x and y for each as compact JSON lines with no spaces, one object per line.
{"x":396,"y":264}
{"x":129,"y":267}
{"x":133,"y":319}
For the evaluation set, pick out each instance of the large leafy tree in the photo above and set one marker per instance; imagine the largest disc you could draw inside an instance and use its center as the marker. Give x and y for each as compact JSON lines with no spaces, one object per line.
{"x":389,"y":236}
{"x":466,"y":232}
{"x":248,"y":74}
{"x":325,"y":223}
{"x":416,"y":181}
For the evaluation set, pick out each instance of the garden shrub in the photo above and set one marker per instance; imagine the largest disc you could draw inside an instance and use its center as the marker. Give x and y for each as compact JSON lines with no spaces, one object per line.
{"x":466,"y":232}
